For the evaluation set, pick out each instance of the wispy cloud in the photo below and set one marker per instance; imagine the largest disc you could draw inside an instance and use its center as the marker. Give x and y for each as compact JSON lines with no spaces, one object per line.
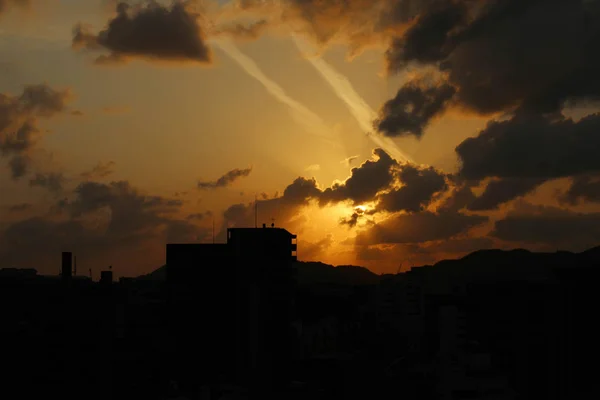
{"x":301,"y":114}
{"x":225,"y":180}
{"x":359,"y":108}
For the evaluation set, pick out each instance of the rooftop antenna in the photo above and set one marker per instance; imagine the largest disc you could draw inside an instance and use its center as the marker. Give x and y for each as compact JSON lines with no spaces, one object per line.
{"x":400,"y":268}
{"x":213,"y":229}
{"x":90,"y":274}
{"x":255,"y":212}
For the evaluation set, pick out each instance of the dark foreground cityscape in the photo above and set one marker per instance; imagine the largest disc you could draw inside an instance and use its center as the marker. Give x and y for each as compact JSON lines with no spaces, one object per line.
{"x":245,"y":320}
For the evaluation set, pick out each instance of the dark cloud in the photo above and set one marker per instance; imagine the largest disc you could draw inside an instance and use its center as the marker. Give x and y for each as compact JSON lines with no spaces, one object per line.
{"x":418,"y":188}
{"x":413,"y":108}
{"x":460,"y":198}
{"x":51,"y":181}
{"x":430,"y":39}
{"x":19,"y":131}
{"x":507,"y":56}
{"x":148,"y":30}
{"x":225,"y":180}
{"x":199,"y":216}
{"x":18,"y":165}
{"x":418,"y":228}
{"x":364,"y":182}
{"x":101,"y":223}
{"x":550,"y":227}
{"x":284,"y":209}
{"x":352,"y":221}
{"x":130,"y":210}
{"x":583,"y":188}
{"x":100,"y":170}
{"x":500,"y":191}
{"x":326,"y":19}
{"x":532,"y":147}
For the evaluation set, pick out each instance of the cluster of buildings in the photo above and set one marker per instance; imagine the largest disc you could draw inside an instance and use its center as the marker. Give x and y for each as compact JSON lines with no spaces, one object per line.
{"x":493,"y":325}
{"x":501,"y":326}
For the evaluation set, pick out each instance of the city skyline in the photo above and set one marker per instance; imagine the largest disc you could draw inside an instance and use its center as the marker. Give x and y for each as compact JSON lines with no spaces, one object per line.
{"x":381,"y":132}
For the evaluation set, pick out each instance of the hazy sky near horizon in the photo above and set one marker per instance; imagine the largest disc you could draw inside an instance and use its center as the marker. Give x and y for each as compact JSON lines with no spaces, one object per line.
{"x":381,"y":132}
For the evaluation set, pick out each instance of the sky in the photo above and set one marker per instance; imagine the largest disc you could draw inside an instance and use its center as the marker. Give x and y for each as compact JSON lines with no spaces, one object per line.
{"x":384,"y":133}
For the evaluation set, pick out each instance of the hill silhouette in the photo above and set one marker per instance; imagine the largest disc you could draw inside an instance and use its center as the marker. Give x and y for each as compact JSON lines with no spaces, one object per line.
{"x":492,"y":263}
{"x":308,"y":273}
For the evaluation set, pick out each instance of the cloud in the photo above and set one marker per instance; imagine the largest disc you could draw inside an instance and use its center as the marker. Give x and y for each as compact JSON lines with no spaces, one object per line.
{"x":358,"y":23}
{"x":352,"y":221}
{"x":413,"y":108}
{"x":284,"y":209}
{"x":527,"y":57}
{"x":583,"y":188}
{"x":430,"y":38}
{"x":549,"y":227}
{"x":199,"y":216}
{"x":149,"y":31}
{"x":364,"y":181}
{"x":500,"y":191}
{"x":419,"y":188}
{"x":101,"y":223}
{"x":460,"y":198}
{"x":313,"y":167}
{"x":532,"y":147}
{"x":418,"y":228}
{"x":51,"y":181}
{"x":100,"y":170}
{"x":19,"y":116}
{"x":225,"y":180}
{"x":521,"y":153}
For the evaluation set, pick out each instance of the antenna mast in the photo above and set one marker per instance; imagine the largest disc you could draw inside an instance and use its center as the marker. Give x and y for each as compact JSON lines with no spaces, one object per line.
{"x":255,"y":212}
{"x":213,"y":229}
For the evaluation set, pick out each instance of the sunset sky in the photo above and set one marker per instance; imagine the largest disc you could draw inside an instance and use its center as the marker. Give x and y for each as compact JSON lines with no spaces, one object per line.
{"x":382,"y":132}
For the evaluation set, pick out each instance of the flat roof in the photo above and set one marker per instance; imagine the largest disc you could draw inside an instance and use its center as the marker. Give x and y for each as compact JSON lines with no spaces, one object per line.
{"x":262,"y":229}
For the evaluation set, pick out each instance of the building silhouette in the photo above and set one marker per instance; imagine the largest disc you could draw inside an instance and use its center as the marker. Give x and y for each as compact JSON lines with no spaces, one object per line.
{"x":67,"y":265}
{"x":230,"y":308}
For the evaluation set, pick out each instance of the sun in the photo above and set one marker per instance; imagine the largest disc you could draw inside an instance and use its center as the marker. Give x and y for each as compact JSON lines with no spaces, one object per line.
{"x":360,"y":209}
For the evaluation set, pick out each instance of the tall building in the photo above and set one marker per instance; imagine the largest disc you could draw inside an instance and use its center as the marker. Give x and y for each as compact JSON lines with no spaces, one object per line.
{"x":231,"y":305}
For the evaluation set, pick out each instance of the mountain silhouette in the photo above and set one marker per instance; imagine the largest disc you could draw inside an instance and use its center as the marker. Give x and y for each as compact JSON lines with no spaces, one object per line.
{"x":308,"y":273}
{"x":485,"y":264}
